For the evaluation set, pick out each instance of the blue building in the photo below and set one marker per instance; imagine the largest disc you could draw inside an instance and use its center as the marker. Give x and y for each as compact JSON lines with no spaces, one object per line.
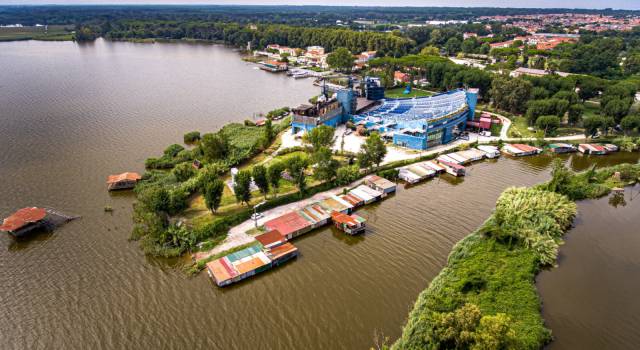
{"x":327,"y":111}
{"x":424,"y":122}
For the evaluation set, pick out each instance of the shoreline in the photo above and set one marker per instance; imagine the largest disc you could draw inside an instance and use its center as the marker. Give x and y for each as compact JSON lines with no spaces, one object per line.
{"x":503,"y":278}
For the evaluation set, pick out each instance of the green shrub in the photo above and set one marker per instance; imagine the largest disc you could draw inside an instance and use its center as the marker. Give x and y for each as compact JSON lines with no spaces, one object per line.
{"x":192,"y":137}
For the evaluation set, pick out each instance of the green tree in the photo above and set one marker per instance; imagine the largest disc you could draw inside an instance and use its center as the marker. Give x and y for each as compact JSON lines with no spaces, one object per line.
{"x":592,"y":123}
{"x":548,"y":123}
{"x":616,"y":108}
{"x":214,"y":146}
{"x":268,"y":132}
{"x":452,"y":46}
{"x":430,"y":51}
{"x":632,"y":64}
{"x":156,"y":198}
{"x":274,"y":174}
{"x":242,"y":186}
{"x":511,"y":94}
{"x":347,"y":174}
{"x":191,"y":137}
{"x":260,"y":178}
{"x":325,"y":166}
{"x":183,"y":171}
{"x":630,"y":122}
{"x":321,"y":136}
{"x":588,"y":89}
{"x":372,"y":151}
{"x":575,"y":113}
{"x":213,"y":194}
{"x":341,"y":59}
{"x":296,"y":166}
{"x":494,"y":332}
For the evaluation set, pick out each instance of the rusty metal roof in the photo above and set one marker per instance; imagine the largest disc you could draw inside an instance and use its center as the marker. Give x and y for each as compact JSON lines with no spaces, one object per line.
{"x":122,"y":177}
{"x":22,"y":217}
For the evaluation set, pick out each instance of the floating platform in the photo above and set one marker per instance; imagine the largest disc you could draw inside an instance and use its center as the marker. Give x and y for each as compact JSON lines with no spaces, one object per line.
{"x":520,"y":150}
{"x":562,"y":148}
{"x":489,"y":151}
{"x":592,"y":148}
{"x":250,"y":261}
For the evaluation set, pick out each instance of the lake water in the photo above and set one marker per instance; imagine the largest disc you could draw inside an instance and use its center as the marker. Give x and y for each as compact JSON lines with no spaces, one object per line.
{"x":70,"y":115}
{"x":591,"y":299}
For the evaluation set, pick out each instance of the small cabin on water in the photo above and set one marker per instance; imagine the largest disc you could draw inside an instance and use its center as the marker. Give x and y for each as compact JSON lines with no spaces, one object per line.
{"x":380,"y":184}
{"x":453,"y":168}
{"x":24,"y":221}
{"x":350,"y":224}
{"x":123,"y":181}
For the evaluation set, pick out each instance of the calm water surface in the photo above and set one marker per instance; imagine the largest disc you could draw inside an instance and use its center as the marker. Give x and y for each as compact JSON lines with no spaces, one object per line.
{"x":70,"y":115}
{"x":591,"y":299}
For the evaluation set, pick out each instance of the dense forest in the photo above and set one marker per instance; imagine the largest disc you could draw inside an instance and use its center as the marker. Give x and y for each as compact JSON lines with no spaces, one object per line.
{"x":299,"y":15}
{"x":261,"y":35}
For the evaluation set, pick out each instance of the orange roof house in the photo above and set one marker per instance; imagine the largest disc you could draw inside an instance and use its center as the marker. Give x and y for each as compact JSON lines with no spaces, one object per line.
{"x":123,"y":181}
{"x":22,"y":218}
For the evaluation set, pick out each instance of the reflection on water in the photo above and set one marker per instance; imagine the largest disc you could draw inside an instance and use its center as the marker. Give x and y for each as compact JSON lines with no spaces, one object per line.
{"x":591,"y":299}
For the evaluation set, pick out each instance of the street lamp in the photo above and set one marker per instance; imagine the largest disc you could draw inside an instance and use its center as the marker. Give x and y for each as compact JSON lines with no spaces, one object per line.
{"x":255,"y":214}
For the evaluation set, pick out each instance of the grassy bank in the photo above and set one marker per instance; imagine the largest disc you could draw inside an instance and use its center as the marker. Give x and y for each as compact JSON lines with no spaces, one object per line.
{"x":485,"y":297}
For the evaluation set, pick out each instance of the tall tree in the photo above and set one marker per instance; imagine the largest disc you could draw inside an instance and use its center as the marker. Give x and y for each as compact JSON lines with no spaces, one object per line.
{"x":260,"y":178}
{"x":242,"y":186}
{"x":325,"y":166}
{"x":341,"y":59}
{"x":274,"y":174}
{"x":372,"y":151}
{"x":319,"y":137}
{"x":214,"y":146}
{"x":296,"y":166}
{"x":213,"y":194}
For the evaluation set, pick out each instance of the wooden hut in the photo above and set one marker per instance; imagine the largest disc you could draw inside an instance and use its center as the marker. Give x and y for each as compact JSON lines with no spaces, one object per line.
{"x":24,"y":221}
{"x":123,"y":181}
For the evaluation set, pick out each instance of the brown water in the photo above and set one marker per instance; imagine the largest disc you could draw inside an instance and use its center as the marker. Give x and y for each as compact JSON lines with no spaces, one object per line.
{"x":591,"y":299}
{"x":70,"y":115}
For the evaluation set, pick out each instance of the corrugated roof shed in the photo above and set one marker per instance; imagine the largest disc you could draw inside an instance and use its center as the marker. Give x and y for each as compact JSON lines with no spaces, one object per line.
{"x":271,"y":238}
{"x":123,"y":177}
{"x":288,"y":223}
{"x":282,"y":250}
{"x":22,"y":218}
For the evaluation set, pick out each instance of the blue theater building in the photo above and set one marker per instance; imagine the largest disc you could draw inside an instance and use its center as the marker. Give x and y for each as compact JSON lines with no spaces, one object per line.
{"x":422,"y":122}
{"x":417,"y":123}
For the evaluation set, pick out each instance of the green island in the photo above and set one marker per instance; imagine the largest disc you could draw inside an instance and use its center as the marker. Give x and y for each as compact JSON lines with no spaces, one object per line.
{"x":485,"y":297}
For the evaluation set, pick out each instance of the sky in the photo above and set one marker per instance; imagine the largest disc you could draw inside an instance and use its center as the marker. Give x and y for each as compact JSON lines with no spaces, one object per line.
{"x":617,"y":4}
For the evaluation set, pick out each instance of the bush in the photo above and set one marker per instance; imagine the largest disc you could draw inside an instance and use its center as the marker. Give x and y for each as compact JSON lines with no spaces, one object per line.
{"x":389,"y":174}
{"x":347,"y":174}
{"x":192,"y":137}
